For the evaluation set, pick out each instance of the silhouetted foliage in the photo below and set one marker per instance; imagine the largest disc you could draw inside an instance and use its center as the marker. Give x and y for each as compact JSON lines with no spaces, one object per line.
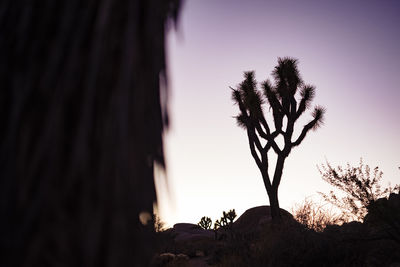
{"x":286,"y":110}
{"x":225,"y":223}
{"x":291,"y":244}
{"x":159,"y":225}
{"x":360,"y":186}
{"x":216,"y":226}
{"x":228,"y":218}
{"x":82,"y":112}
{"x":384,"y":216}
{"x":315,"y":216}
{"x":205,"y":223}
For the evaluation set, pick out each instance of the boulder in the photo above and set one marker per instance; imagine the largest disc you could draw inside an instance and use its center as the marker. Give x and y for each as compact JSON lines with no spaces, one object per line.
{"x":186,"y":232}
{"x":252,"y":220}
{"x":163,"y":259}
{"x":191,"y":238}
{"x":170,"y":259}
{"x":383,"y":217}
{"x":186,"y":227}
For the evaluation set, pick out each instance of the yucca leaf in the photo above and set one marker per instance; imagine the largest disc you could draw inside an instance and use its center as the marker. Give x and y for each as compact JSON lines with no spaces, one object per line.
{"x":318,"y":115}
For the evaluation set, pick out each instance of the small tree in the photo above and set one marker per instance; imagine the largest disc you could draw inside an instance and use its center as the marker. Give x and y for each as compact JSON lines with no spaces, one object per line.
{"x":205,"y":223}
{"x":360,"y":186}
{"x":230,"y":216}
{"x":217,"y":225}
{"x":225,"y":222}
{"x":286,"y":110}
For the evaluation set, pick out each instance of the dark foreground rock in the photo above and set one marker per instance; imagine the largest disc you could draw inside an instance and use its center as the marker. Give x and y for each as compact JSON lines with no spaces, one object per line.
{"x":254,"y":240}
{"x":253,"y":220}
{"x":188,"y":232}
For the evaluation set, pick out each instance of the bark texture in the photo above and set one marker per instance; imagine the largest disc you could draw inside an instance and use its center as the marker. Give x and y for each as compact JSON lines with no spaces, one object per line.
{"x":82,"y":116}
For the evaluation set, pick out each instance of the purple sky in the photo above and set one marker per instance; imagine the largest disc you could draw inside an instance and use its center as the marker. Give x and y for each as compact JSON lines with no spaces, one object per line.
{"x":348,"y":49}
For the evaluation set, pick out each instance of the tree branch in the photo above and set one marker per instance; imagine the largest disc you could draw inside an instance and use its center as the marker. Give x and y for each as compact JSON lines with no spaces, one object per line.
{"x":276,"y":106}
{"x":304,"y":132}
{"x":270,"y":138}
{"x":293,"y":107}
{"x":253,"y":150}
{"x":256,"y":140}
{"x":264,"y":172}
{"x":265,"y":124}
{"x":302,"y":108}
{"x":307,"y":95}
{"x":318,"y":115}
{"x":278,"y":171}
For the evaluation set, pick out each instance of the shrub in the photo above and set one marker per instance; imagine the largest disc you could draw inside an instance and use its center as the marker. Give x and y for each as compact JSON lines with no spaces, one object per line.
{"x":314,"y":216}
{"x":360,"y":186}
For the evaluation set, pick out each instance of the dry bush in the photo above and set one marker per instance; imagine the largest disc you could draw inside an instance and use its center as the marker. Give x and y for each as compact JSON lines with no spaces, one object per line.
{"x":315,"y":216}
{"x":360,"y":185}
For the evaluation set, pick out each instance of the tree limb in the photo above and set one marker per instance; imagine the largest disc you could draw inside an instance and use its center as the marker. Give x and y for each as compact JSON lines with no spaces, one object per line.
{"x":253,"y":151}
{"x":293,"y":107}
{"x":264,"y":123}
{"x":307,"y":95}
{"x":302,"y":108}
{"x":304,"y":132}
{"x":256,"y":140}
{"x":269,"y":137}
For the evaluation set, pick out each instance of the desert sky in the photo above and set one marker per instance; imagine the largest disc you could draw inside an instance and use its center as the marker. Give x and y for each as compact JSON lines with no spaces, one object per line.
{"x":348,"y":49}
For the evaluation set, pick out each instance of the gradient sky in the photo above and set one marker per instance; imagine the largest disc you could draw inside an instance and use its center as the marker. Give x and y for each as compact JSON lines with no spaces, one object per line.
{"x":348,"y":49}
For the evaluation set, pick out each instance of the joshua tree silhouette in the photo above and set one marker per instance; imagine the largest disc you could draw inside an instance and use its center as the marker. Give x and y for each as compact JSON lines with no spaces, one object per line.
{"x":205,"y":223}
{"x":281,"y":98}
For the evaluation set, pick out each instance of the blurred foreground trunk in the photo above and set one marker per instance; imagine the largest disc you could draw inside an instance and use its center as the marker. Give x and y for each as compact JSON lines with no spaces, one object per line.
{"x":81,"y":122}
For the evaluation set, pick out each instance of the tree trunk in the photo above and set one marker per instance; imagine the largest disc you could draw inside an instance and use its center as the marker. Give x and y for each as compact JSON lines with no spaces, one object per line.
{"x":273,"y":192}
{"x":274,"y":204}
{"x":82,"y":118}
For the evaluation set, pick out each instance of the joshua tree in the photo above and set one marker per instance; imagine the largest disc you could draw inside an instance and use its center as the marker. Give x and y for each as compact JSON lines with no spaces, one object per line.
{"x":281,"y":98}
{"x":230,"y":216}
{"x":82,"y":112}
{"x":217,"y":225}
{"x":225,"y":222}
{"x":205,"y":223}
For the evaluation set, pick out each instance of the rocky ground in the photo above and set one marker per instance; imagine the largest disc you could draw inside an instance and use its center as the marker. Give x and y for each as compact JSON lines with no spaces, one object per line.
{"x":255,"y":241}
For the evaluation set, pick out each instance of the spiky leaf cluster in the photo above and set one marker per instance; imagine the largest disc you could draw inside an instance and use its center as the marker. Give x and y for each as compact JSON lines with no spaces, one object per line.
{"x":226,"y":219}
{"x":217,"y":225}
{"x":230,"y":215}
{"x":205,"y":223}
